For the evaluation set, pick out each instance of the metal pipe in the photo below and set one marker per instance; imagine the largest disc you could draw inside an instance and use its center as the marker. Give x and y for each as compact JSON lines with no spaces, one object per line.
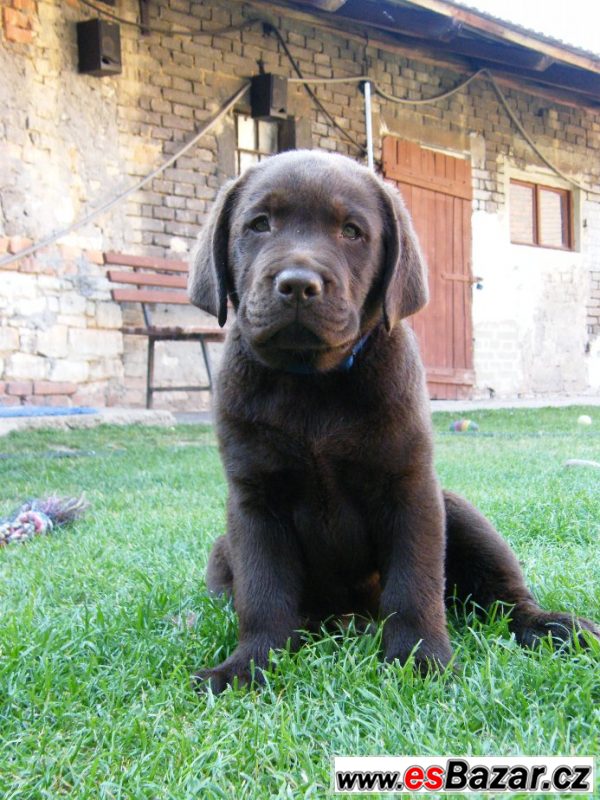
{"x":369,"y":124}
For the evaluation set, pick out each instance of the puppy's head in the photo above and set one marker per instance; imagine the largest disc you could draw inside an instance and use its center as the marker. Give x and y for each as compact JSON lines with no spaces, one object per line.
{"x":313,"y":250}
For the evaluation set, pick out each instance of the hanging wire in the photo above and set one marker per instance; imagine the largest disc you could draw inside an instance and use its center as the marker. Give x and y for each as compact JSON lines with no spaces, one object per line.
{"x":248,"y":23}
{"x":53,"y":237}
{"x":528,"y":138}
{"x":306,"y":82}
{"x":481,"y":73}
{"x":272,"y":29}
{"x":348,"y":79}
{"x":424,"y":101}
{"x":485,"y":73}
{"x":174,"y":31}
{"x":392,"y":98}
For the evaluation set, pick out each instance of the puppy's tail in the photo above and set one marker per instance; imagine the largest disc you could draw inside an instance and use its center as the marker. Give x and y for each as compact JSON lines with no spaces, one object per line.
{"x":482,"y":569}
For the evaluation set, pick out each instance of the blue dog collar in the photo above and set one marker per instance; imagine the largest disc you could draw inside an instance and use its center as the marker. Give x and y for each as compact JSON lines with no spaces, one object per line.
{"x":346,"y":364}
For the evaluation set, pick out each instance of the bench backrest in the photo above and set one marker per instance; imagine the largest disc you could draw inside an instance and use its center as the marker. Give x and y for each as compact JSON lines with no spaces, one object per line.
{"x":149,"y":279}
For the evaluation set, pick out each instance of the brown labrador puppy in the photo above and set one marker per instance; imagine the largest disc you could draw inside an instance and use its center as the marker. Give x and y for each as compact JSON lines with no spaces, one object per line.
{"x":324,"y":425}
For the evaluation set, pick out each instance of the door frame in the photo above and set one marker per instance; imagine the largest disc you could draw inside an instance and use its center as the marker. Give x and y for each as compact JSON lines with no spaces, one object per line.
{"x":411,"y":164}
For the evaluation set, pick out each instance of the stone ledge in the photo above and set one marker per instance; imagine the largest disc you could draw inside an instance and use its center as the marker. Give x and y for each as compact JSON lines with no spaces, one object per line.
{"x":109,"y":416}
{"x":53,"y":387}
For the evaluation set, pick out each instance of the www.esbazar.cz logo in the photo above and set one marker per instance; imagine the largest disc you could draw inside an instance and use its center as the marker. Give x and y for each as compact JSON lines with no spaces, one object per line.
{"x":448,"y":774}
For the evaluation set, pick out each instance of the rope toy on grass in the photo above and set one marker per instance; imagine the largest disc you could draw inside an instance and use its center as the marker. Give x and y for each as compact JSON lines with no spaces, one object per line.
{"x":39,"y":517}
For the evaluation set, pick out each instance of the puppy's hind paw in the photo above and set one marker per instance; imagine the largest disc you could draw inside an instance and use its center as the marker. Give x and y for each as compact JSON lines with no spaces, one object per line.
{"x":565,"y":630}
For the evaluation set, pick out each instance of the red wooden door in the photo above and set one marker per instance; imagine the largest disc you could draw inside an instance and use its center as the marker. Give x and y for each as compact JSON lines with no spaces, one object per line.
{"x":437,"y":190}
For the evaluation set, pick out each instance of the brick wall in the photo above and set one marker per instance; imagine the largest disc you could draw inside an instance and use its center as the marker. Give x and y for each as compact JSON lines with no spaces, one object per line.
{"x":18,"y":18}
{"x":69,"y":141}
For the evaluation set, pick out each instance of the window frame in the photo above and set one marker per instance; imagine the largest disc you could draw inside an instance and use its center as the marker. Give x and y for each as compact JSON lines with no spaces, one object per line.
{"x":566,"y":215}
{"x":261,"y":154}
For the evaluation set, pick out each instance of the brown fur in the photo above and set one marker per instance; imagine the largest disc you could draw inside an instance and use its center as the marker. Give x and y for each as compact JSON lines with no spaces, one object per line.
{"x":334,"y":506}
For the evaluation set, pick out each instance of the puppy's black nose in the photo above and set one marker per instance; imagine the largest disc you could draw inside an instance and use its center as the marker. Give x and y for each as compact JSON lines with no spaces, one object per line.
{"x":298,"y":284}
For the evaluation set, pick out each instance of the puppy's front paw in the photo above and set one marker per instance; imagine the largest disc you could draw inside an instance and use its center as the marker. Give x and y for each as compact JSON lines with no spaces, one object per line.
{"x":234,"y":671}
{"x":217,"y":680}
{"x":430,"y":655}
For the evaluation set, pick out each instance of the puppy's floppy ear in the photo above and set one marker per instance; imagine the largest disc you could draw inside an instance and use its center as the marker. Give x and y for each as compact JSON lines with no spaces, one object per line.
{"x":404,"y":269}
{"x":209,"y":278}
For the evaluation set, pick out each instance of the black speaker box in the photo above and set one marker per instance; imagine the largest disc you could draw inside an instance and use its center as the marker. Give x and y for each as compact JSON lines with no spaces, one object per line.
{"x":99,"y":44}
{"x":268,"y":96}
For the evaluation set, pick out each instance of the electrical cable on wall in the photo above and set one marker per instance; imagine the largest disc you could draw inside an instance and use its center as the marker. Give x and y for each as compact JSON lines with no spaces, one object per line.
{"x":529,"y":140}
{"x":409,"y":101}
{"x":53,"y":237}
{"x":269,"y":28}
{"x":170,"y":31}
{"x":481,"y":73}
{"x":485,"y":73}
{"x":272,"y":29}
{"x":392,"y":98}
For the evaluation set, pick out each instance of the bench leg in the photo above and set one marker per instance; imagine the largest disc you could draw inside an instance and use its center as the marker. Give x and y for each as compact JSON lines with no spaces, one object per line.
{"x":150,"y":373}
{"x":206,"y":363}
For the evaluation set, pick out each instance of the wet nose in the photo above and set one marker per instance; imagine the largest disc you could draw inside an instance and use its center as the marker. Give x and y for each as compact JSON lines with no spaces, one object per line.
{"x":298,"y":284}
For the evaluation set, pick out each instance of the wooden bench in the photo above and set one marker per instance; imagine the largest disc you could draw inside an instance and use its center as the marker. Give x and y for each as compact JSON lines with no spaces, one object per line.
{"x":149,"y":281}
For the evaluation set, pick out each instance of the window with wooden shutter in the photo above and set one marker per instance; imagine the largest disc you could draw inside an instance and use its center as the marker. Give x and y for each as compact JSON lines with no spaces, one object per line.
{"x":540,"y":215}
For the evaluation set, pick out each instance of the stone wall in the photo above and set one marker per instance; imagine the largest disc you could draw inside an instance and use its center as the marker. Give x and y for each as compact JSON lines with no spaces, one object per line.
{"x":70,"y":141}
{"x":60,"y":341}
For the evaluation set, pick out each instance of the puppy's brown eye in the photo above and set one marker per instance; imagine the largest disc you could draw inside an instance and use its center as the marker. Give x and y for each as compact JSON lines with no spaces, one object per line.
{"x":351,"y":231}
{"x":260,"y":224}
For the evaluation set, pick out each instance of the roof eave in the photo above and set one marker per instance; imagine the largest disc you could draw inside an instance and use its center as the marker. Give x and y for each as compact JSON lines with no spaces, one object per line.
{"x":450,"y":31}
{"x":509,"y":33}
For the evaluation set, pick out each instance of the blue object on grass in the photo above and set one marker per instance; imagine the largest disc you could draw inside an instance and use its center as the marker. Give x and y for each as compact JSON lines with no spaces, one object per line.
{"x":44,"y":411}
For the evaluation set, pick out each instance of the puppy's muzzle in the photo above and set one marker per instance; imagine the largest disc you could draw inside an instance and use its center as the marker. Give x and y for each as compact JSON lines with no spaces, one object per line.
{"x":298,"y":285}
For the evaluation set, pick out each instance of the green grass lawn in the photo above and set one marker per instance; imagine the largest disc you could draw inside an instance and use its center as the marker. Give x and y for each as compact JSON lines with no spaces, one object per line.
{"x":102,"y":624}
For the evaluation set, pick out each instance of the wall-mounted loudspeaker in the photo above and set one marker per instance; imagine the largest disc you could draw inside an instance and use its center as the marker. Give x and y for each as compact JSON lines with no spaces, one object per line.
{"x":268,"y":96}
{"x":99,"y":44}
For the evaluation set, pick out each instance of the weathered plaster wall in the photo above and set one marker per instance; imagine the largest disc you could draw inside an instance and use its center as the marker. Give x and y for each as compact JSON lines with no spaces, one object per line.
{"x":590,"y":231}
{"x":529,"y":320}
{"x":69,"y":141}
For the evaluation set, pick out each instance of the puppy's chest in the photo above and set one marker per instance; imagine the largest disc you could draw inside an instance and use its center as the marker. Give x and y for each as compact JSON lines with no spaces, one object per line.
{"x":330,"y":465}
{"x":329,"y":494}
